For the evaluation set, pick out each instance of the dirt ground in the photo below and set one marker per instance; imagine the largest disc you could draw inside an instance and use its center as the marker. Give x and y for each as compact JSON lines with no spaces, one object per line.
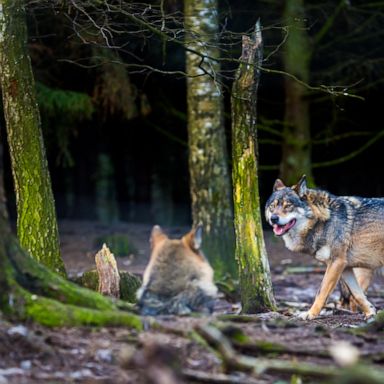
{"x":171,"y":351}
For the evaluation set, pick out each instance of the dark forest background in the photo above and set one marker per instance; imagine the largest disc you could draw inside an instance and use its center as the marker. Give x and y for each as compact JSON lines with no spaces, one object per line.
{"x":116,"y":135}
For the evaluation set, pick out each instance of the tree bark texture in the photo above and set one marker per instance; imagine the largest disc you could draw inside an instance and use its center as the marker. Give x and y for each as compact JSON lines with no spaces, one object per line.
{"x":251,"y":254}
{"x":296,"y":151}
{"x":30,"y":291}
{"x":109,"y":278}
{"x":210,"y":183}
{"x":36,"y":217}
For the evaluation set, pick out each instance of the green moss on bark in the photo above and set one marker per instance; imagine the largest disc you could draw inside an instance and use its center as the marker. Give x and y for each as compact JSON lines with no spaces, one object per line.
{"x":53,"y":313}
{"x":38,"y":294}
{"x":129,"y":284}
{"x":36,"y":217}
{"x":251,"y":255}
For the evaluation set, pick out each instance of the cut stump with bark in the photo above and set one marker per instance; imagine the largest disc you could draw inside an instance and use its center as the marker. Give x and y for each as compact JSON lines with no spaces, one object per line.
{"x":109,"y":278}
{"x":129,"y":283}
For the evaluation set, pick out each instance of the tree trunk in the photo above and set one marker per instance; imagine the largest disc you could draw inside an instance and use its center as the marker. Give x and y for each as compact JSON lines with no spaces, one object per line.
{"x":106,"y":199}
{"x":251,"y":255}
{"x":36,"y":217}
{"x":296,"y":152}
{"x":209,"y":177}
{"x":30,"y":291}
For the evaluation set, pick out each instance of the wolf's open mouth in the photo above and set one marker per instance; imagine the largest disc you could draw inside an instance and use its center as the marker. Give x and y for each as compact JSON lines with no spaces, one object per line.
{"x":279,"y":230}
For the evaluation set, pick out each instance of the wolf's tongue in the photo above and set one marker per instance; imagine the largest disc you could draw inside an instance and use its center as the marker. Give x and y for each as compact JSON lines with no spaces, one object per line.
{"x":278,"y":229}
{"x":281,"y":229}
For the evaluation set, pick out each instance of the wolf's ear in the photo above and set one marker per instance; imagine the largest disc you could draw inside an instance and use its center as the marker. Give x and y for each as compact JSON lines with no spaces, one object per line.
{"x":301,"y":187}
{"x":195,"y":238}
{"x":157,"y":234}
{"x":278,"y":185}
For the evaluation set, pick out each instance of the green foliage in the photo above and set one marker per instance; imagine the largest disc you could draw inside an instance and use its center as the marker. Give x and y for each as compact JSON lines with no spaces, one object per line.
{"x":113,"y":91}
{"x":119,"y":244}
{"x":61,"y":110}
{"x":71,"y":104}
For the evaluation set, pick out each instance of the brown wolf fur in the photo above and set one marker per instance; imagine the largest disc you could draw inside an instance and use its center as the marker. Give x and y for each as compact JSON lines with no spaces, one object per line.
{"x":344,"y":232}
{"x":178,"y":278}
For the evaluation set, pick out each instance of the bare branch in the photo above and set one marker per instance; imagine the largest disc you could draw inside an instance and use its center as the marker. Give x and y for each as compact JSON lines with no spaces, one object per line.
{"x":351,"y":155}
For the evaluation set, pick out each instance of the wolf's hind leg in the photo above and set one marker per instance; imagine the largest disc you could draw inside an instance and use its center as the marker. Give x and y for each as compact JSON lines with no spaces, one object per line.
{"x":357,"y":288}
{"x":364,"y":278}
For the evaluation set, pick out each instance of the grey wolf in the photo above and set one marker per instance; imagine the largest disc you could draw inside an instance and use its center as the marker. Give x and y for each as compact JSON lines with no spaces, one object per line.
{"x":178,"y":278}
{"x":344,"y":232}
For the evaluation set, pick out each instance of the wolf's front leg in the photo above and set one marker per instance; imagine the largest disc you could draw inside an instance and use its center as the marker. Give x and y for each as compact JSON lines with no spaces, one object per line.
{"x":332,"y":275}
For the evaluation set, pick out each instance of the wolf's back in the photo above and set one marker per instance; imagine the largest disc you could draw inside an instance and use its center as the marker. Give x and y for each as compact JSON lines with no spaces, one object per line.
{"x":178,"y":278}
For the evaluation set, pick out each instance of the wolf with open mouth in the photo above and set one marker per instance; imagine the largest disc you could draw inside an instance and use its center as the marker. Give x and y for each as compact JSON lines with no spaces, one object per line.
{"x":344,"y":232}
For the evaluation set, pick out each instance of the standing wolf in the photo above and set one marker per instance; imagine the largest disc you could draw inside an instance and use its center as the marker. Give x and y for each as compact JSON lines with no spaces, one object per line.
{"x":178,"y":278}
{"x":344,"y":232}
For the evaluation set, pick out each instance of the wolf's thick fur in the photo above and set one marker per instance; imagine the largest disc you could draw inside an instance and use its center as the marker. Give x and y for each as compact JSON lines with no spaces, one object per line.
{"x":178,"y":278}
{"x":344,"y":232}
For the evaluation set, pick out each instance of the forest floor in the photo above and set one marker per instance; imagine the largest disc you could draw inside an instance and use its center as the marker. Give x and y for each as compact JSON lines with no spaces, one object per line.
{"x":170,"y":349}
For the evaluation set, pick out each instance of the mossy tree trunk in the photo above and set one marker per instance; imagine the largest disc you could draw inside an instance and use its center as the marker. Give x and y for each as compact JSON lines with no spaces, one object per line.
{"x":251,"y":254}
{"x":296,"y":152}
{"x":30,"y":291}
{"x":208,"y":159}
{"x":36,"y":217}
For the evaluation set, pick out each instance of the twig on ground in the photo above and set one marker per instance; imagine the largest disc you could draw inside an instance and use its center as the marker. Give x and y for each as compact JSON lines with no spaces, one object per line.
{"x":234,"y":361}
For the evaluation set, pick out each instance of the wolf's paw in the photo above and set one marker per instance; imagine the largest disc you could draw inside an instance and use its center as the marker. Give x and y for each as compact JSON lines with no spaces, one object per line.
{"x":370,"y":316}
{"x":306,"y":315}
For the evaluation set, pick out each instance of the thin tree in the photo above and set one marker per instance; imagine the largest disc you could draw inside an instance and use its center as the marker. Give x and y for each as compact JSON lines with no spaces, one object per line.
{"x":209,"y":177}
{"x":36,"y":217}
{"x":251,"y":254}
{"x":297,"y":52}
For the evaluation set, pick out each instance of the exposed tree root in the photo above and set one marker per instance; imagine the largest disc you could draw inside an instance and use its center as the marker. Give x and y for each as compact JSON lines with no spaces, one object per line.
{"x":242,"y":343}
{"x":233,"y":361}
{"x":239,"y":318}
{"x":217,"y":378}
{"x":53,"y":313}
{"x":35,"y":293}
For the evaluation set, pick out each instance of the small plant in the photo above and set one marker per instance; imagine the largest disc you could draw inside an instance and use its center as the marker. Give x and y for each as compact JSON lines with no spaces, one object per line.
{"x":118,"y":243}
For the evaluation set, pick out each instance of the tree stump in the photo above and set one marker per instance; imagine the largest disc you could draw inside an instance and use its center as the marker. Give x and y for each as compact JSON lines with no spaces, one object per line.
{"x":129,"y":283}
{"x":109,"y":278}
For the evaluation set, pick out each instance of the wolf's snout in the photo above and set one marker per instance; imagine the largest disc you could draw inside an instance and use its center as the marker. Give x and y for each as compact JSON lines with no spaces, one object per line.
{"x":274,"y":219}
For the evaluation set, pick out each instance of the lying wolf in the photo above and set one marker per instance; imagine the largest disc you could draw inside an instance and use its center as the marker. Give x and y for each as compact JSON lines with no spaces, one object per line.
{"x":178,"y":278}
{"x":344,"y":232}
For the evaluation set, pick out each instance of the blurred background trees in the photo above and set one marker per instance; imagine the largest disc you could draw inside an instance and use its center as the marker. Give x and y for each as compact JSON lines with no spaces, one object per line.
{"x":112,"y":92}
